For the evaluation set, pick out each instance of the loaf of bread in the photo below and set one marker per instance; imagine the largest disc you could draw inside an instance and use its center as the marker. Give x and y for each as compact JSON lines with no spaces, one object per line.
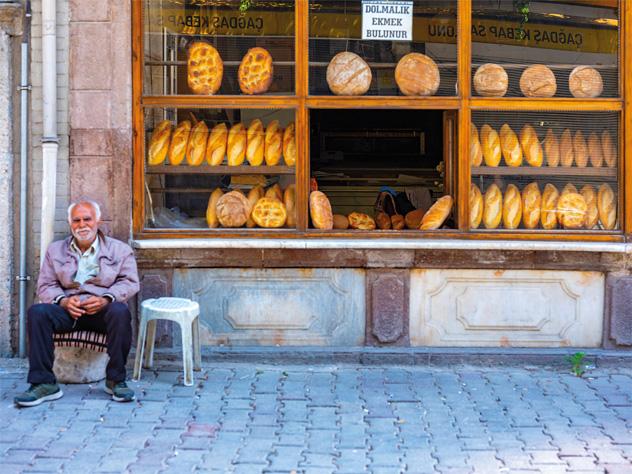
{"x":490,"y":143}
{"x":571,"y":210}
{"x":490,"y":80}
{"x":551,"y":148}
{"x":437,"y":214}
{"x":211,"y":208}
{"x":254,"y":195}
{"x":348,"y":74}
{"x":236,"y":144}
{"x":413,"y":218}
{"x":179,"y":142}
{"x":205,"y":68}
{"x":512,"y":207}
{"x":493,"y":207}
{"x":159,"y":143}
{"x":585,"y":82}
{"x":255,"y":71}
{"x":417,"y":74}
{"x":548,"y":214}
{"x":538,"y":81}
{"x":476,"y":206}
{"x":289,"y":145}
{"x":341,"y":222}
{"x":397,"y":222}
{"x":567,"y":155}
{"x":510,"y":146}
{"x":592,"y":212}
{"x":531,"y":146}
{"x":274,"y":192}
{"x":476,"y":152}
{"x":320,"y":211}
{"x":607,"y":206}
{"x":255,"y":145}
{"x":289,"y":199}
{"x":233,"y":209}
{"x":273,"y":143}
{"x":383,"y":221}
{"x":196,"y":148}
{"x":216,"y":145}
{"x":595,"y":151}
{"x":361,"y":221}
{"x":531,"y":205}
{"x":609,"y":149}
{"x":569,"y":188}
{"x":269,"y":213}
{"x":580,"y":149}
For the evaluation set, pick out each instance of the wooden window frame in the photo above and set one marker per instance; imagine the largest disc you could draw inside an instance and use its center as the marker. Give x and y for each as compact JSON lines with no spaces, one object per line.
{"x":463,"y":104}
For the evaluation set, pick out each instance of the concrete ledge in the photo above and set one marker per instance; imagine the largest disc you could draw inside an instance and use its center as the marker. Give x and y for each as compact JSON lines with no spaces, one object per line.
{"x":431,"y":356}
{"x":391,"y":244}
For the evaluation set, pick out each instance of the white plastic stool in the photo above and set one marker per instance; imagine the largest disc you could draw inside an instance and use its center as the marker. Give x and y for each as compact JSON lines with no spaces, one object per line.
{"x":180,"y":310}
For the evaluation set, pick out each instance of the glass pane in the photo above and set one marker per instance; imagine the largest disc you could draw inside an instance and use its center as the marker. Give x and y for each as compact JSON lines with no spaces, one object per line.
{"x":336,"y":27}
{"x":201,"y":47}
{"x":191,"y":154}
{"x":573,"y":43}
{"x":384,"y":168}
{"x":544,"y":171}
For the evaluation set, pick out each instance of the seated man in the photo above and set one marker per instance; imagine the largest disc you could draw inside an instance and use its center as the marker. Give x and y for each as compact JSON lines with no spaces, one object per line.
{"x":84,"y":283}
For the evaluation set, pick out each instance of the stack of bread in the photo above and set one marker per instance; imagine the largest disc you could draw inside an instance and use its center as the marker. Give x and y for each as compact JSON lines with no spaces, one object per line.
{"x":569,"y":149}
{"x":549,"y":209}
{"x":323,"y":218}
{"x":271,"y":208}
{"x":237,"y":144}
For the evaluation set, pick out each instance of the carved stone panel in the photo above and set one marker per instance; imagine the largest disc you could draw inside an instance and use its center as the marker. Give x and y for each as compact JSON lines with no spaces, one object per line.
{"x":517,"y":308}
{"x":277,"y":306}
{"x":620,"y":309}
{"x":387,"y":307}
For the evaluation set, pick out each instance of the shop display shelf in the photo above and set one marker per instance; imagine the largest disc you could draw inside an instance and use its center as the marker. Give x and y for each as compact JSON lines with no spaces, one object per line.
{"x":603,"y":173}
{"x":221,"y":169}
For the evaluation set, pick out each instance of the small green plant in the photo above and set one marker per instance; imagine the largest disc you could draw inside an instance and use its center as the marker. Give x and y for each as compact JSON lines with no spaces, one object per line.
{"x":244,"y":5}
{"x":577,"y":363}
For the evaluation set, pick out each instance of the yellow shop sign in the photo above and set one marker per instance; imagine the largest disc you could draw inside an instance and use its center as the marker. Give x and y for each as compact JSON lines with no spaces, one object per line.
{"x":210,"y":21}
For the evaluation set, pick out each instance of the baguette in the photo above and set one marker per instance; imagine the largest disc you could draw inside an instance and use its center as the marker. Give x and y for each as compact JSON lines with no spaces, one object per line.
{"x":476,"y":152}
{"x":580,"y":149}
{"x":594,"y":150}
{"x":592,"y":212}
{"x":493,"y":210}
{"x":510,"y":146}
{"x":254,"y":195}
{"x":216,"y":145}
{"x":159,"y":143}
{"x":551,"y":148}
{"x":548,"y":214}
{"x":179,"y":142}
{"x":196,"y":149}
{"x":531,"y":205}
{"x":512,"y":207}
{"x":273,"y":143}
{"x":236,"y":144}
{"x":437,"y":214}
{"x":567,"y":156}
{"x":289,"y":145}
{"x":476,"y":206}
{"x":609,"y":149}
{"x":320,"y":211}
{"x":490,"y":143}
{"x":211,"y":208}
{"x":607,"y":205}
{"x":531,"y":146}
{"x":289,"y":199}
{"x":254,"y":143}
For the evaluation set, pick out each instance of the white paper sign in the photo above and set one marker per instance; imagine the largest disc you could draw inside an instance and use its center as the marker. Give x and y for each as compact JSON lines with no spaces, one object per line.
{"x":387,"y":20}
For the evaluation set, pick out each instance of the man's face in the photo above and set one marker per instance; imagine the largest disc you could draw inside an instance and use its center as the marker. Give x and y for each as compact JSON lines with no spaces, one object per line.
{"x":83,"y":223}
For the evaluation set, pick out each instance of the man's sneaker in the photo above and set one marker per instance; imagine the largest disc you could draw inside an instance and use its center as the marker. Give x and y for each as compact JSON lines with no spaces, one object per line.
{"x":38,"y":393}
{"x":119,"y":390}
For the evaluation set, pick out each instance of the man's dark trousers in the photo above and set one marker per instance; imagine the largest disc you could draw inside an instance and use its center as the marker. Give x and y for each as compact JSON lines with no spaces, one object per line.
{"x":46,"y":319}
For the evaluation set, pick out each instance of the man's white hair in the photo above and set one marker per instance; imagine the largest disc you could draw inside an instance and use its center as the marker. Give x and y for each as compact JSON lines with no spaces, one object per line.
{"x":94,"y":204}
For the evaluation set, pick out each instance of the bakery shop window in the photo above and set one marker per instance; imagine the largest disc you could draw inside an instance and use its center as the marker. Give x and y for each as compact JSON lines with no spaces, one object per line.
{"x":545,"y":48}
{"x":381,"y":169}
{"x":365,"y":48}
{"x":210,"y":47}
{"x":212,"y":168}
{"x":543,"y":171}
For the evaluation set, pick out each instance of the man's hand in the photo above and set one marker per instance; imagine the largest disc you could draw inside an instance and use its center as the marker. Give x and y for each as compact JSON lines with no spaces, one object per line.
{"x":72,"y":304}
{"x":94,"y":304}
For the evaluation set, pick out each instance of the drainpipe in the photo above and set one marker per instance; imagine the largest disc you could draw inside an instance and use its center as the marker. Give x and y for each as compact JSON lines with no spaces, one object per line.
{"x":24,"y":89}
{"x":50,"y":141}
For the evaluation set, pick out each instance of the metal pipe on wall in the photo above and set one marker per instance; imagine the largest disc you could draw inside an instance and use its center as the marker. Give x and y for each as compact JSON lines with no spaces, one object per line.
{"x":50,"y":140}
{"x":24,"y":89}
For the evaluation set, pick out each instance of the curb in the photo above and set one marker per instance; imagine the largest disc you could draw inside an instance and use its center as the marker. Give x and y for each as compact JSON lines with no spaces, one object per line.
{"x":432,"y":357}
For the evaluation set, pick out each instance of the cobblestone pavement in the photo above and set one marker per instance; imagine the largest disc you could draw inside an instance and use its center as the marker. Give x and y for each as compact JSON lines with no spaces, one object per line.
{"x":242,"y":418}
